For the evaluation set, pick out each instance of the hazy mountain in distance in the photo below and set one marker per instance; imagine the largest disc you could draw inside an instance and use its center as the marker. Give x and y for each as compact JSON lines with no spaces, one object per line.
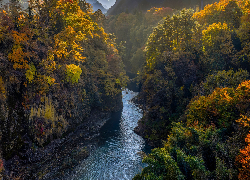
{"x":129,"y":5}
{"x":97,"y":5}
{"x":143,"y":5}
{"x":23,"y":3}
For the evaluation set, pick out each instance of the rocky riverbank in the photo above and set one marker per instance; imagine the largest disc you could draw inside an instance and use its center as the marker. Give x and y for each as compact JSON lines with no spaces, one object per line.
{"x":141,"y":127}
{"x":59,"y":156}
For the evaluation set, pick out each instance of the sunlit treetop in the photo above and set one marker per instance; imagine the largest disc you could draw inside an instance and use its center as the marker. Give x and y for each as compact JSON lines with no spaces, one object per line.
{"x":160,"y":11}
{"x":244,"y":156}
{"x":229,"y":11}
{"x":211,"y":33}
{"x":176,"y":33}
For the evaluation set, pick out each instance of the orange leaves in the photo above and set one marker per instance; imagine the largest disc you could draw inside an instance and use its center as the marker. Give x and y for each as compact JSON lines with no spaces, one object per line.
{"x":247,"y":140}
{"x":226,"y":96}
{"x":5,"y":21}
{"x":243,"y":96}
{"x":228,"y":103}
{"x":216,"y":108}
{"x":244,"y":159}
{"x":244,"y":89}
{"x":244,"y":121}
{"x":18,"y":55}
{"x":21,"y":37}
{"x":245,"y":6}
{"x":19,"y":58}
{"x":205,"y":14}
{"x":222,"y":106}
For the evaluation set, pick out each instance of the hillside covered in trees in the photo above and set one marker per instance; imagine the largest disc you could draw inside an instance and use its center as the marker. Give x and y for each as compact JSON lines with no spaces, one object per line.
{"x":194,"y":91}
{"x":97,"y":5}
{"x":61,"y":62}
{"x":57,"y":65}
{"x":130,"y":6}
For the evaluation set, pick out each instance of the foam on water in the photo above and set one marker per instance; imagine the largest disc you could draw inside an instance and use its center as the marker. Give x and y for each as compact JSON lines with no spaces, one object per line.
{"x":117,"y":156}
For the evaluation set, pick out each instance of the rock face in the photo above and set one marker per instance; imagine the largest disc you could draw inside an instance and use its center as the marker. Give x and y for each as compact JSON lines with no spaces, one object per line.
{"x":54,"y":134}
{"x":60,"y":155}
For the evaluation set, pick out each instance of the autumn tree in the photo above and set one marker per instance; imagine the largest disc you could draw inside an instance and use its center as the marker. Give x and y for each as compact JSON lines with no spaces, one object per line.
{"x":57,"y":63}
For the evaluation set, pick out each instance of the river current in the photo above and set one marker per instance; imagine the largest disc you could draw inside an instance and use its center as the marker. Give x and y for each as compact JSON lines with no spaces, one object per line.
{"x":118,"y":154}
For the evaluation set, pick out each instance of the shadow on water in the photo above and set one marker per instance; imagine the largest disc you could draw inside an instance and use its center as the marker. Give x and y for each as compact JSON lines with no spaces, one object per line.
{"x":132,"y":84}
{"x":118,"y":155}
{"x":111,"y":128}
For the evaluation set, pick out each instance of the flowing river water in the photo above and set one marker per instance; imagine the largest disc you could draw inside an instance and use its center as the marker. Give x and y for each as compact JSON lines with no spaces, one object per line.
{"x":118,"y":154}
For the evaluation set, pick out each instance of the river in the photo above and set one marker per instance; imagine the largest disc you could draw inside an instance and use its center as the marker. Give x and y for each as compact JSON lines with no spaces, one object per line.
{"x":117,"y":155}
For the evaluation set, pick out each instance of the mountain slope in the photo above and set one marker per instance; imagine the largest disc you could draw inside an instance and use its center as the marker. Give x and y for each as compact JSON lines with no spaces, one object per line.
{"x":97,"y":5}
{"x":143,"y":5}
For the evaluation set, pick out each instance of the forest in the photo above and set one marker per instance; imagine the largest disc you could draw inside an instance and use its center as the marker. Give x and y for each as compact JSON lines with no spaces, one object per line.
{"x":61,"y":62}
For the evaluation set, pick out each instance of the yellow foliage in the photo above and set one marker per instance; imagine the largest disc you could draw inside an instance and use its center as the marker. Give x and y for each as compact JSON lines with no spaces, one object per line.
{"x":213,"y":30}
{"x":163,"y":11}
{"x":50,"y":80}
{"x":211,"y":33}
{"x":73,"y":73}
{"x":47,"y":111}
{"x":30,"y":72}
{"x":211,"y":9}
{"x":49,"y":63}
{"x":245,"y":6}
{"x":67,"y":45}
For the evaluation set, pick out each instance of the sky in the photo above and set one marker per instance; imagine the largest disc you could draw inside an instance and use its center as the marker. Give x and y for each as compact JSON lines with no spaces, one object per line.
{"x":107,"y":3}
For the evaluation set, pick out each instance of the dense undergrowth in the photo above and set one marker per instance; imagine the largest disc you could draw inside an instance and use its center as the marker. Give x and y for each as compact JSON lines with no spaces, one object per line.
{"x":56,"y":65}
{"x":131,"y":31}
{"x":195,"y":93}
